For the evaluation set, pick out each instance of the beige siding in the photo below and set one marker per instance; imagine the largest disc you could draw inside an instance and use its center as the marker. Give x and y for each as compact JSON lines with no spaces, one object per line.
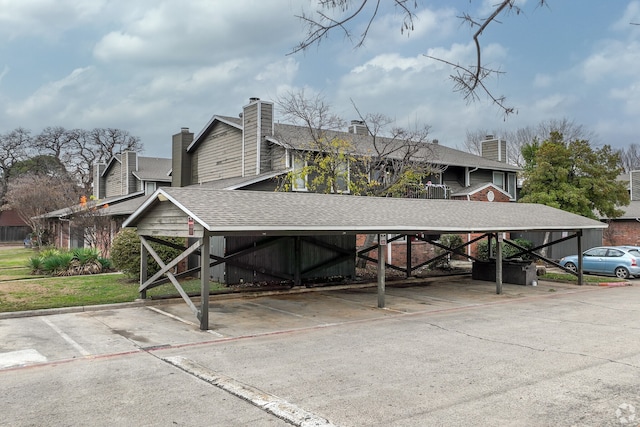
{"x":219,"y":156}
{"x":635,"y":185}
{"x":250,"y":139}
{"x":113,"y":181}
{"x":165,"y":219}
{"x":266,"y":120}
{"x":278,"y":158}
{"x":495,"y":150}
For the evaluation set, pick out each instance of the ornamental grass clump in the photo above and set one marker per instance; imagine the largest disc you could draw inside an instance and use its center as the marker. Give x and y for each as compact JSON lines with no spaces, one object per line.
{"x":81,"y":261}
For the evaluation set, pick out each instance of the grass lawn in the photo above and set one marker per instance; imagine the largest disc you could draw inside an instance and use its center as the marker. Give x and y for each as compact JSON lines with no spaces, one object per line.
{"x":566,"y":277}
{"x":20,"y":291}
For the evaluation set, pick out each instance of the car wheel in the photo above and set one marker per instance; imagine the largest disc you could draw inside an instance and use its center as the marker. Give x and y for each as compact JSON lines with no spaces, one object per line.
{"x":622,"y":273}
{"x":571,"y":266}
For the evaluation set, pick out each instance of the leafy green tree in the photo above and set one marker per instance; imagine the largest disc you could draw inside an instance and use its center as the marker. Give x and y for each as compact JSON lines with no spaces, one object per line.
{"x":574,"y":177}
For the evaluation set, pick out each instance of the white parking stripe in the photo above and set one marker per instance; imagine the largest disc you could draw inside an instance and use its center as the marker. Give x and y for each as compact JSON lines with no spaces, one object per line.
{"x":66,"y":337}
{"x":267,"y":402}
{"x":21,"y":358}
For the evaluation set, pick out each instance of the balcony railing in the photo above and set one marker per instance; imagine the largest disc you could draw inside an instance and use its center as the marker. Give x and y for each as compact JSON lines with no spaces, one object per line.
{"x":425,"y":191}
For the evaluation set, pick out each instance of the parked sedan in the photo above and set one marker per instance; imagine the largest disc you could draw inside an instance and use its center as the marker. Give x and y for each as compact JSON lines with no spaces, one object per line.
{"x":608,"y":260}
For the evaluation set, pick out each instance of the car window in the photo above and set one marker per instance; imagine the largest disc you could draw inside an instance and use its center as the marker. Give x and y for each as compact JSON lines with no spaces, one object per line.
{"x":596,"y":252}
{"x":634,"y":252}
{"x":614,"y":253}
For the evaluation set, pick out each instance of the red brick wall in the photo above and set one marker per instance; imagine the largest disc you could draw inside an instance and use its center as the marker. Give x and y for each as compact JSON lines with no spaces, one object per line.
{"x":622,"y":232}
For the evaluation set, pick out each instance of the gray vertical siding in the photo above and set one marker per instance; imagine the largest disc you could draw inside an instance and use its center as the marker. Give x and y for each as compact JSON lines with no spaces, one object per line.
{"x":250,"y":117}
{"x":219,"y":156}
{"x":280,"y":257}
{"x":590,"y":239}
{"x":113,"y":181}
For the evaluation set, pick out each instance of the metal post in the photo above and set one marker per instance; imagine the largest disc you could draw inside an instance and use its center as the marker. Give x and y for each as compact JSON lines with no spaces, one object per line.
{"x":297,"y":261}
{"x":580,"y":277}
{"x":409,"y":247}
{"x":144,"y":255}
{"x":499,"y":264}
{"x":204,"y":282}
{"x":382,"y":249}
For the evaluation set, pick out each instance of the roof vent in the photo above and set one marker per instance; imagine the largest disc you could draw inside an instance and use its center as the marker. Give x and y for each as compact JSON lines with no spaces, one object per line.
{"x":184,"y":130}
{"x":253,"y":99}
{"x":435,"y":141}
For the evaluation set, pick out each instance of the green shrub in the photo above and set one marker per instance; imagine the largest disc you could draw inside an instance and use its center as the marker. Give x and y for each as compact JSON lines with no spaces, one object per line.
{"x":125,"y":253}
{"x":450,"y":241}
{"x":35,"y":264}
{"x":57,"y":265}
{"x":86,"y":255}
{"x":68,"y":263}
{"x":508,"y":251}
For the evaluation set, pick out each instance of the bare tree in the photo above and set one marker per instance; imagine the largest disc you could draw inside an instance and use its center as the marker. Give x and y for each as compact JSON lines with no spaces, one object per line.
{"x":32,"y":196}
{"x":569,"y":129}
{"x":89,"y":220}
{"x":381,"y":157}
{"x":630,"y":157}
{"x":469,"y":80}
{"x":109,"y":141}
{"x":13,"y":148}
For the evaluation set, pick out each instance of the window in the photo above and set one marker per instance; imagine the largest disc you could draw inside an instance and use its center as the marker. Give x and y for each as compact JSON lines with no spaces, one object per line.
{"x":149,"y":187}
{"x":342,"y":178}
{"x":299,"y":181}
{"x":596,"y":252}
{"x":498,"y":179}
{"x":614,"y":253}
{"x":511,"y":185}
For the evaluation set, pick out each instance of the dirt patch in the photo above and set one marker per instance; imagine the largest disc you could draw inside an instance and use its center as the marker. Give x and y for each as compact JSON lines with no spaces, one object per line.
{"x":13,"y":291}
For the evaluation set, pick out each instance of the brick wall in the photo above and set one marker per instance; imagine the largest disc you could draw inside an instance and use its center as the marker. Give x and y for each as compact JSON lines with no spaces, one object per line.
{"x":622,"y":232}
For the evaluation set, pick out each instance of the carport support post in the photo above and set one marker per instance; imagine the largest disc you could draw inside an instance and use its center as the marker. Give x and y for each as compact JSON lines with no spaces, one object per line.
{"x":382,"y":250}
{"x":204,"y":282}
{"x":409,"y":255}
{"x":579,"y":236}
{"x":144,"y":255}
{"x":499,"y":264}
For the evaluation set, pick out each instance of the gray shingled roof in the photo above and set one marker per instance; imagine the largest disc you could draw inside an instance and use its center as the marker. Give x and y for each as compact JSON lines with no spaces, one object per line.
{"x":298,"y":137}
{"x":227,"y":212}
{"x":111,"y":201}
{"x":238,"y":182}
{"x":153,"y":169}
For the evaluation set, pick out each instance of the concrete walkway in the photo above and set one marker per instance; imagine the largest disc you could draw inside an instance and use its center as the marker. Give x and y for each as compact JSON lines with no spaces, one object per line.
{"x":445,"y":352}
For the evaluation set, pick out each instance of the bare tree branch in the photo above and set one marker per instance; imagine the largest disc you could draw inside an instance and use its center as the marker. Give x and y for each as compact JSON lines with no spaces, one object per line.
{"x":467,"y":80}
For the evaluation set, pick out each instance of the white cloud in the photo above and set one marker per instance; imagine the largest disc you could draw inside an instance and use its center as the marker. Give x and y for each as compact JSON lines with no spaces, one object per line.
{"x":44,"y":18}
{"x":630,"y":15}
{"x":174,"y":32}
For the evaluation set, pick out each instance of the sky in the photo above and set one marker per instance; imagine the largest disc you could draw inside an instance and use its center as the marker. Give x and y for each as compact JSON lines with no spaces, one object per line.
{"x":152,"y":67}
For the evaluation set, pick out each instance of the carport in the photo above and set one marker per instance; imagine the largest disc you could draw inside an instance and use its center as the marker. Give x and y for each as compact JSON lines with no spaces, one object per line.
{"x":198,"y":213}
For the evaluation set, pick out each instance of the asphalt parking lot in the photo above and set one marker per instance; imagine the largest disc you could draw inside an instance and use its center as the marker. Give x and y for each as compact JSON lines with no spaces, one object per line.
{"x":444,"y":352}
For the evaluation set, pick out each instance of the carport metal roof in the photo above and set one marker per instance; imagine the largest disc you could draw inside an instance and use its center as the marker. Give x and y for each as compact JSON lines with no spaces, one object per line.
{"x":227,"y":212}
{"x":200,"y":212}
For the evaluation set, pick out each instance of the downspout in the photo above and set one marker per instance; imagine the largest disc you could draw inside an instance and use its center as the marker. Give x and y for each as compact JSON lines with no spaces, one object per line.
{"x":467,"y":177}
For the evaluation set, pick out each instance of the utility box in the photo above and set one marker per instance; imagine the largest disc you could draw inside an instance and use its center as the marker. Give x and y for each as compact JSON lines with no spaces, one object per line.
{"x":514,"y":272}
